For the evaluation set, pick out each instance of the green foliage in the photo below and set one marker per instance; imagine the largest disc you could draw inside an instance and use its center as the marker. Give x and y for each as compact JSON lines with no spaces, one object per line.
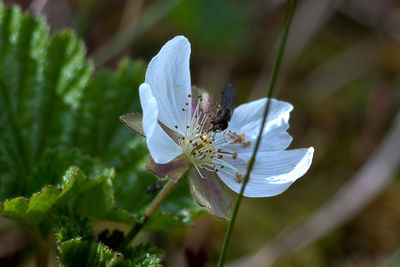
{"x":49,"y":99}
{"x":77,"y":246}
{"x":68,"y":225}
{"x":55,"y":118}
{"x":146,"y":255}
{"x":90,"y":195}
{"x":76,"y":252}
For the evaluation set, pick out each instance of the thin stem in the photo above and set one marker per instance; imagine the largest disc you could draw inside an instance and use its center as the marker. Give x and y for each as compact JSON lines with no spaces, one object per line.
{"x":283,"y":37}
{"x":161,"y":196}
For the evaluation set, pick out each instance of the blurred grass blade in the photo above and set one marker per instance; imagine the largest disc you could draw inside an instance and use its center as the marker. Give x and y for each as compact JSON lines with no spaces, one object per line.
{"x":287,"y":19}
{"x":126,"y":37}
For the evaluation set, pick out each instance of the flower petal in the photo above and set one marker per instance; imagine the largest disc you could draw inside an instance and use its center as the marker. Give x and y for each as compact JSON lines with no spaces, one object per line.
{"x":273,"y":172}
{"x":162,"y":148}
{"x":175,"y":169}
{"x":210,"y":193}
{"x":168,"y":75}
{"x":247,"y":118}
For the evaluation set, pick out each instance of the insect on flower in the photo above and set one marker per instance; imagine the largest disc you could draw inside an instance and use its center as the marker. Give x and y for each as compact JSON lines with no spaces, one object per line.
{"x":225,"y":110}
{"x":184,"y":134}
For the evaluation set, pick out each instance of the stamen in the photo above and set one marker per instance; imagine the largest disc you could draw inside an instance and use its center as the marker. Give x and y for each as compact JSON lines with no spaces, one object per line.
{"x":238,"y":177}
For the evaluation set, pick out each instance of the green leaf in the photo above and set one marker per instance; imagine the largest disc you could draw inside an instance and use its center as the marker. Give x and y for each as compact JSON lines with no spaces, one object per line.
{"x":77,"y":252}
{"x":145,"y":255}
{"x":90,"y":195}
{"x":67,"y":225}
{"x":131,"y":193}
{"x":49,"y":98}
{"x":42,"y":79}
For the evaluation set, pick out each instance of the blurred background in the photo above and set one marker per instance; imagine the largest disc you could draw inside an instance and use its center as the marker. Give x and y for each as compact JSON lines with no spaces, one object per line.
{"x":340,"y":71}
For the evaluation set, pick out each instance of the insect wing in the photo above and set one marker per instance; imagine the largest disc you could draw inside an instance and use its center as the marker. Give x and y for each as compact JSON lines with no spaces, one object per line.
{"x":229,"y":96}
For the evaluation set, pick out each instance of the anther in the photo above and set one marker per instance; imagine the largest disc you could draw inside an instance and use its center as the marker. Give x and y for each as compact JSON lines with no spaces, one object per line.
{"x":234,"y":155}
{"x":176,"y":126}
{"x":238,"y":177}
{"x":187,"y":104}
{"x":189,"y":95}
{"x":183,"y":109}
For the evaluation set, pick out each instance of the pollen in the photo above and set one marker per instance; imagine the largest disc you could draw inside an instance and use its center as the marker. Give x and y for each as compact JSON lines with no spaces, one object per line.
{"x":238,"y":177}
{"x":239,"y":139}
{"x":201,"y":146}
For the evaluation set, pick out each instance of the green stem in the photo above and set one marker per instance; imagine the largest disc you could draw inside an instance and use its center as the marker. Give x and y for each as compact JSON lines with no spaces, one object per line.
{"x":161,"y":196}
{"x":283,"y":37}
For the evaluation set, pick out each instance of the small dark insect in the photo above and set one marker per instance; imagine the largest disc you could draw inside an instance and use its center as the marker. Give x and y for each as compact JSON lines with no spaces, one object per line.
{"x":153,"y":188}
{"x":225,"y":110}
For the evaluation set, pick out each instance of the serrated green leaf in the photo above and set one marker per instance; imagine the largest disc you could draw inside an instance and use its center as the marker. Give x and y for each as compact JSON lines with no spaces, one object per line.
{"x":90,"y":195}
{"x":48,"y":98}
{"x":67,"y":225}
{"x":77,"y":252}
{"x":40,"y":203}
{"x":145,"y":255}
{"x":14,"y":208}
{"x":42,"y":79}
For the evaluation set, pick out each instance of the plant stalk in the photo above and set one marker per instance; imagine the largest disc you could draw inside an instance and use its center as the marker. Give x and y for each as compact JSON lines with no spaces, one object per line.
{"x":282,"y":42}
{"x":151,"y":208}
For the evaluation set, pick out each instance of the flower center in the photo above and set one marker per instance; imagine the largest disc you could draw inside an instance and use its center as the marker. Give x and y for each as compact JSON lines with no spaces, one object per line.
{"x":200,"y":145}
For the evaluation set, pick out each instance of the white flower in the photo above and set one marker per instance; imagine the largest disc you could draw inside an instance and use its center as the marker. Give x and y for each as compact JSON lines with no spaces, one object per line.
{"x":176,"y":124}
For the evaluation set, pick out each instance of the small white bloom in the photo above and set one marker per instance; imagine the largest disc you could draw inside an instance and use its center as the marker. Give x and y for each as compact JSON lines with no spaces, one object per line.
{"x":178,"y":136}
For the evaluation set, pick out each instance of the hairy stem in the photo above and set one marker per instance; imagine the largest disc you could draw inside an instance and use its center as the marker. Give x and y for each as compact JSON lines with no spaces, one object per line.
{"x":283,"y":36}
{"x":151,"y":208}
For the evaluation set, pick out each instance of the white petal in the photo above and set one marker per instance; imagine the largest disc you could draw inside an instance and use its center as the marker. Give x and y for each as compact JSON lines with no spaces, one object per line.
{"x":246,"y":118}
{"x":272,"y":174}
{"x":168,"y":75}
{"x":162,"y":148}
